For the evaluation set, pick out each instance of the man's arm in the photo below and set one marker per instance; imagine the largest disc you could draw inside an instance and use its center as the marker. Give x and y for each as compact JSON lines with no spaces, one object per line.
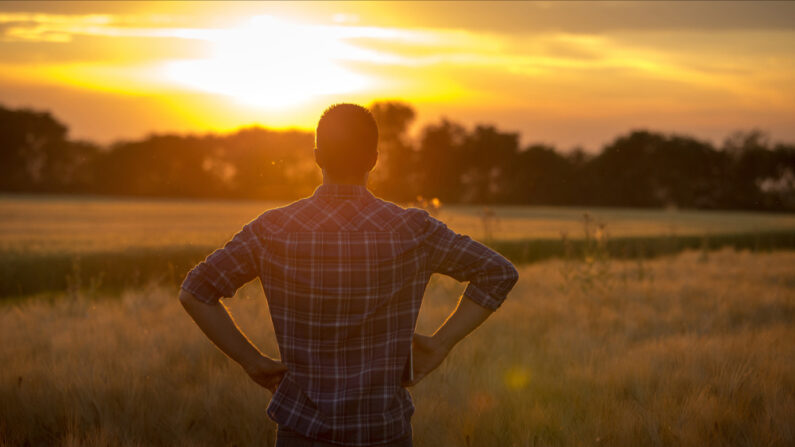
{"x":220,"y":275}
{"x":429,"y":352}
{"x":216,"y":323}
{"x":490,"y":278}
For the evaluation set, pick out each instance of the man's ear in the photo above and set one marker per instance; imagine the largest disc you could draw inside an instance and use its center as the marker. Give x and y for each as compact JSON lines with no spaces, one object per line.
{"x":372,"y":161}
{"x":319,"y":158}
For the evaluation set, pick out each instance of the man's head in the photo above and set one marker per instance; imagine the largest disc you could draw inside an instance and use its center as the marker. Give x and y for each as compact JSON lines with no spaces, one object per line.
{"x":346,"y":142}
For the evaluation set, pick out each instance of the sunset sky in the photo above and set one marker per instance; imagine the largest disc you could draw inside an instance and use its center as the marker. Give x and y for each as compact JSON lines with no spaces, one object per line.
{"x":565,"y":73}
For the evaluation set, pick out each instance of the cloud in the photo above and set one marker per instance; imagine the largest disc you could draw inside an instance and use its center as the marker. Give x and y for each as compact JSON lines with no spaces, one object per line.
{"x":63,"y":28}
{"x":598,"y":17}
{"x":266,"y":47}
{"x":502,"y":17}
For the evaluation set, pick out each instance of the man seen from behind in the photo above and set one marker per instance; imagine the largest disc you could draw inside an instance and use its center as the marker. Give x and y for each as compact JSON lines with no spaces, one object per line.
{"x":344,"y":274}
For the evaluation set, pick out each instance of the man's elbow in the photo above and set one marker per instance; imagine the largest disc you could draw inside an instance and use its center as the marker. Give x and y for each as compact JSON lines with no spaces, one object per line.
{"x":506,"y":280}
{"x":185,"y":296}
{"x":189,"y":300}
{"x":511,"y":275}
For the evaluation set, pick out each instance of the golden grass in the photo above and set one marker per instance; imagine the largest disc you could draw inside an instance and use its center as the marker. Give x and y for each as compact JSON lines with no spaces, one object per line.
{"x":692,"y":350}
{"x":41,"y":224}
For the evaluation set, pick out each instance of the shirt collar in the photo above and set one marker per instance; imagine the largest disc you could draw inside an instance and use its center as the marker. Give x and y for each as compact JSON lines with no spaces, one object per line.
{"x":342,"y":191}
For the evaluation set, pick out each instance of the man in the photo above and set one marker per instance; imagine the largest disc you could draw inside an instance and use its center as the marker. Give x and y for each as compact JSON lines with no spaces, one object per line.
{"x":344,"y":274}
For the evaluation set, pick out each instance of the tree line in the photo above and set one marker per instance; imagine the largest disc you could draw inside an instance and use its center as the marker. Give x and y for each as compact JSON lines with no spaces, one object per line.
{"x":482,"y":165}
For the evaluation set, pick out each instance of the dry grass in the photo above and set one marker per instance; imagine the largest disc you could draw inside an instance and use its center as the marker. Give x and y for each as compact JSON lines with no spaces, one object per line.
{"x":688,"y":350}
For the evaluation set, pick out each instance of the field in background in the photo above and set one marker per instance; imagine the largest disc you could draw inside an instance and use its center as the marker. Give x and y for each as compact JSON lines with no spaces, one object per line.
{"x":47,"y":225}
{"x":55,"y":244}
{"x":692,"y":350}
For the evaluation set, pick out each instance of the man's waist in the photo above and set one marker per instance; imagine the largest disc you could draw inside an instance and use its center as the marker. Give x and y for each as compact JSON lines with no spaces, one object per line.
{"x":344,"y":417}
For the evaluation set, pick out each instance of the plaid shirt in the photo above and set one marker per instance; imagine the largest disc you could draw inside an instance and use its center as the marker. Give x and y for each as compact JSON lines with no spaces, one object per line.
{"x":344,"y":274}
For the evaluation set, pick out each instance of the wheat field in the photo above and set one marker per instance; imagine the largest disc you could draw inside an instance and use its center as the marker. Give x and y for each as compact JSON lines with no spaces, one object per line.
{"x":694,"y":349}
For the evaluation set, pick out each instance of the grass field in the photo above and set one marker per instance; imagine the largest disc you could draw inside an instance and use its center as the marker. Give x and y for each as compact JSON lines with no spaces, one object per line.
{"x":689,"y":350}
{"x":33,"y":224}
{"x":52,"y":244}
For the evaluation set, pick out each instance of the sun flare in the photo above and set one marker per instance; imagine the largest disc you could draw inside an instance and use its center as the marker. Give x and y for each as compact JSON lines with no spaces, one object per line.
{"x":269,"y":63}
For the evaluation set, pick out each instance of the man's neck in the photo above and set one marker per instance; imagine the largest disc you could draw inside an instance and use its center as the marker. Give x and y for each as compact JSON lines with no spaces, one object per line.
{"x":328,"y":180}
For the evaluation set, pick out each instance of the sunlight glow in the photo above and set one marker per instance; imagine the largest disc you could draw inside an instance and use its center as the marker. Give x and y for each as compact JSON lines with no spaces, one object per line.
{"x":273,"y":63}
{"x":190,"y":66}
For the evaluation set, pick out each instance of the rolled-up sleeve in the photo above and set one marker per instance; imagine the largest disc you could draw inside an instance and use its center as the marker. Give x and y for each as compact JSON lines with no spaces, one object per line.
{"x":490,"y":275}
{"x":225,"y":270}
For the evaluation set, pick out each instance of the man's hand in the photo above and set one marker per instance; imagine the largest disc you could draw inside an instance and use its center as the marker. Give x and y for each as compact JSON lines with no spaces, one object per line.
{"x":214,"y":320}
{"x":429,"y":353}
{"x":267,"y":372}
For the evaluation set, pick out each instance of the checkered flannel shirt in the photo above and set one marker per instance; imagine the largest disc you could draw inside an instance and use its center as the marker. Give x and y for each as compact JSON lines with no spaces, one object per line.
{"x":344,"y":274}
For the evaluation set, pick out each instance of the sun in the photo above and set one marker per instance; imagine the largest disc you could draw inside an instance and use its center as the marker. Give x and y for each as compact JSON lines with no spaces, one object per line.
{"x":272,"y":63}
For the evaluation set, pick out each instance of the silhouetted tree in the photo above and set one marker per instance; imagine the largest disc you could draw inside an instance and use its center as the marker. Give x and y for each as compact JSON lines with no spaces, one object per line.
{"x":440,"y":161}
{"x":749,"y":161}
{"x":487,"y":156}
{"x":395,"y":174}
{"x":780,"y":186}
{"x":542,"y":176}
{"x":484,"y":165}
{"x":32,"y":146}
{"x":267,"y":164}
{"x":71,"y":168}
{"x":160,"y":165}
{"x":684,"y":173}
{"x":623,"y":173}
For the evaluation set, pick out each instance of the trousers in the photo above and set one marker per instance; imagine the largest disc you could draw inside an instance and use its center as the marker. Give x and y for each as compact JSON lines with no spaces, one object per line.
{"x":288,"y":438}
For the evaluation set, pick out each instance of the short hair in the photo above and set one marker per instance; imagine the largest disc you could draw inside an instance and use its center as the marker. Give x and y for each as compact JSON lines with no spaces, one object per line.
{"x":347,"y":136}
